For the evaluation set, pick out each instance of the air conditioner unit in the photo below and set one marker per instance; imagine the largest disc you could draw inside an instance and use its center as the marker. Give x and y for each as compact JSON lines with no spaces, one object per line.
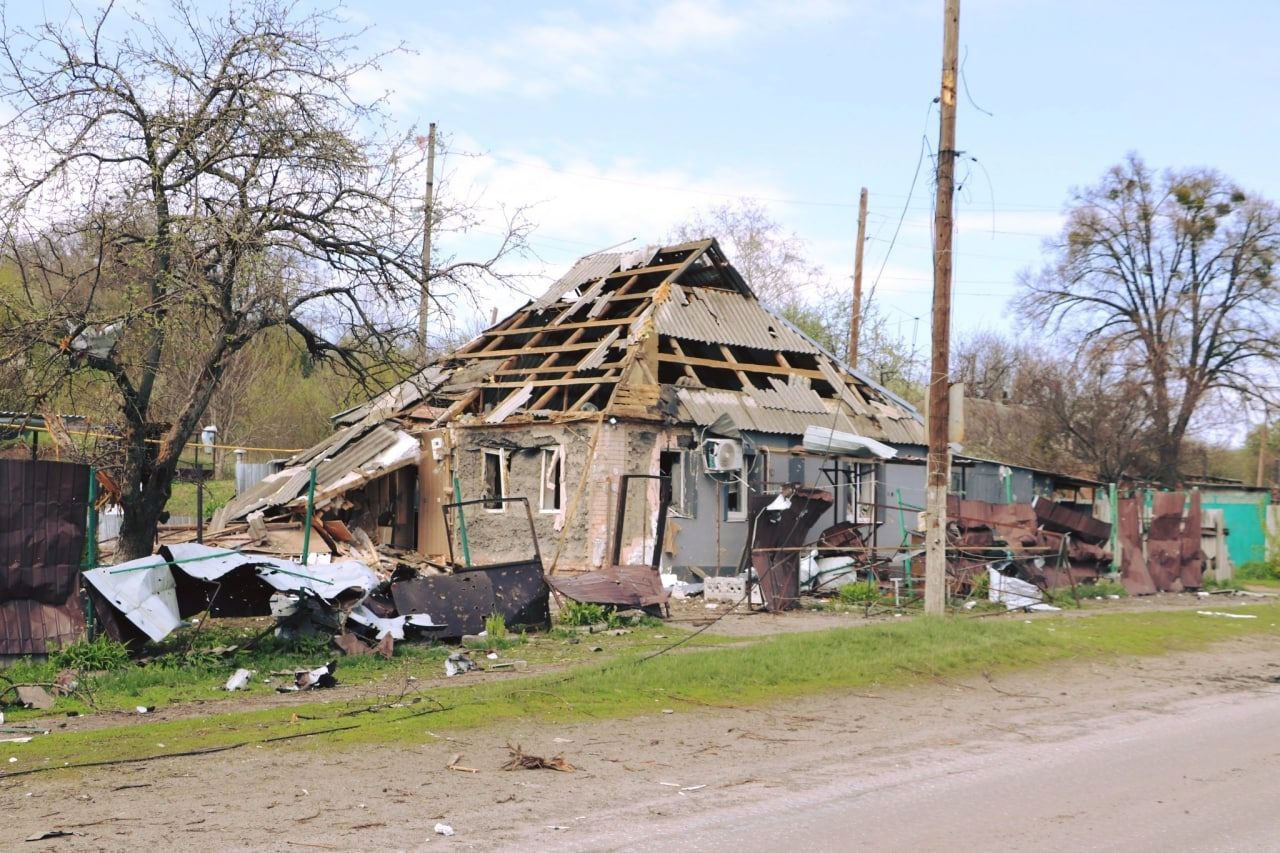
{"x":723,"y":454}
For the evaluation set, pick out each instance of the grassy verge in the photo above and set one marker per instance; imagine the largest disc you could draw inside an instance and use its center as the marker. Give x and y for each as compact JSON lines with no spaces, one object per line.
{"x":768,"y":670}
{"x":216,"y":493}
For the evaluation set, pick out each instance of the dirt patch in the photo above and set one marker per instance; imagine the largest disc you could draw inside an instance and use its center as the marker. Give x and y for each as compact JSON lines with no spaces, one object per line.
{"x":682,"y":760}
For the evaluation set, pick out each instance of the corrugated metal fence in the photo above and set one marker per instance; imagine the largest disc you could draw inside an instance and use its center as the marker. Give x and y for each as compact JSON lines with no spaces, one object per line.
{"x":43,"y":519}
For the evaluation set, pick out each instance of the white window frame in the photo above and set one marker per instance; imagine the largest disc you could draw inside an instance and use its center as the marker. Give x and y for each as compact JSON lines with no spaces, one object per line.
{"x":551,"y":456}
{"x":501,"y":455}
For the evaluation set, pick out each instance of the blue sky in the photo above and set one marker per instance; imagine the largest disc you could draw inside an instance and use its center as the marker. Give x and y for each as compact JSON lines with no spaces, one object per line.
{"x":619,"y":119}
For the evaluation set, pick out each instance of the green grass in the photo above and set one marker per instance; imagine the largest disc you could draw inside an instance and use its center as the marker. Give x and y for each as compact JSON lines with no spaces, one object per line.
{"x":1257,"y":571}
{"x":768,"y":669}
{"x":216,"y":493}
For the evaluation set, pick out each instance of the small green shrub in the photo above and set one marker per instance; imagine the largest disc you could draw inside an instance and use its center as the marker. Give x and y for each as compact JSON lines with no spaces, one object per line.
{"x":865,"y":592}
{"x":1103,"y":588}
{"x":495,"y":627}
{"x":1214,"y":583}
{"x":575,"y":613}
{"x":1257,"y":571}
{"x":88,"y":656}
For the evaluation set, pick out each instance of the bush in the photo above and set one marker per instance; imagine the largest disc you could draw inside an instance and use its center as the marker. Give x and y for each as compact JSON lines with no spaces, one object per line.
{"x":866,"y":592}
{"x":101,"y":653}
{"x":1257,"y":571}
{"x":575,"y":613}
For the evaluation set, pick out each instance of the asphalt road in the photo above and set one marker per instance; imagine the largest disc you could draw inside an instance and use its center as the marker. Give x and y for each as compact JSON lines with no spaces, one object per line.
{"x":1202,"y":775}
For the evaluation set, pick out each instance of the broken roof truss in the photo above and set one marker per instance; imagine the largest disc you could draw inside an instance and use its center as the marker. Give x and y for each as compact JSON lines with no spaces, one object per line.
{"x":672,"y":332}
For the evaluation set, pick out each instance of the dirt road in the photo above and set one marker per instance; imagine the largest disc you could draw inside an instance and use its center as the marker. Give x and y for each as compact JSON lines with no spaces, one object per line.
{"x":1177,"y":751}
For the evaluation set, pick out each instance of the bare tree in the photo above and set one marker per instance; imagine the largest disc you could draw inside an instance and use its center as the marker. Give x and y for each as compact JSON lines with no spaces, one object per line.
{"x":179,"y":187}
{"x":772,"y":261}
{"x":1177,"y":270}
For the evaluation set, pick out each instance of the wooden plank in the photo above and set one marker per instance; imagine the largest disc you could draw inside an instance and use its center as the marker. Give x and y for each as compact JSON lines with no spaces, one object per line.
{"x":547,"y":383}
{"x":559,"y":368}
{"x":547,"y":350}
{"x":742,"y":365}
{"x":579,"y":324}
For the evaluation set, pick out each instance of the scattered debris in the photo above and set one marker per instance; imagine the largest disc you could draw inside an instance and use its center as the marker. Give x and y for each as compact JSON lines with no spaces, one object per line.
{"x":1016,"y":594}
{"x":458,"y":663}
{"x":454,"y":765}
{"x":1225,"y":615}
{"x":50,"y":833}
{"x":34,"y":696}
{"x":239,"y":680}
{"x":308,"y":679}
{"x":520,"y":760}
{"x":145,"y":709}
{"x":444,"y":829}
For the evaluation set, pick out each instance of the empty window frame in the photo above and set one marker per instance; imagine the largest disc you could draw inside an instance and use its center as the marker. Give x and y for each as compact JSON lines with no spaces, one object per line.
{"x":551,"y":488}
{"x":671,"y":463}
{"x":494,"y":483}
{"x":736,"y":492}
{"x":862,"y":494}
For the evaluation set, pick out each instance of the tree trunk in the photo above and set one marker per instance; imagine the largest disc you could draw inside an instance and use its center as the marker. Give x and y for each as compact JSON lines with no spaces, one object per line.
{"x":142,"y":508}
{"x":1169,"y":458}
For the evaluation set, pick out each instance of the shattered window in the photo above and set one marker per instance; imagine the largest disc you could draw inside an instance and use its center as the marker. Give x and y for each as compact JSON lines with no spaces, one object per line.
{"x":552,"y":487}
{"x":863,"y":495}
{"x":495,"y":481}
{"x":735,"y":494}
{"x":671,"y":464}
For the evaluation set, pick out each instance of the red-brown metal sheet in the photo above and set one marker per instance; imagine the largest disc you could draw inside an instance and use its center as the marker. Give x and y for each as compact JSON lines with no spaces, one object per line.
{"x":778,"y":571}
{"x":1192,"y":557}
{"x":43,"y":517}
{"x":622,"y":586}
{"x":1133,"y":566}
{"x":1164,"y":541}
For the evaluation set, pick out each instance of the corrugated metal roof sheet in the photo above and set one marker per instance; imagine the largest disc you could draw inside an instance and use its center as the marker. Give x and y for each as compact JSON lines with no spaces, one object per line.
{"x":352,"y":457}
{"x":723,"y":317}
{"x":586,"y":269}
{"x":704,"y":406}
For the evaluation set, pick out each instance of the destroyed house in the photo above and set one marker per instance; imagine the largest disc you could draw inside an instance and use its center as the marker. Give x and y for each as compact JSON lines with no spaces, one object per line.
{"x":639,"y":382}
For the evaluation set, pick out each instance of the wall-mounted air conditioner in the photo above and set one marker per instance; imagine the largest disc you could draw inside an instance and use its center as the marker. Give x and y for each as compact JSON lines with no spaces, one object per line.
{"x":723,"y":454}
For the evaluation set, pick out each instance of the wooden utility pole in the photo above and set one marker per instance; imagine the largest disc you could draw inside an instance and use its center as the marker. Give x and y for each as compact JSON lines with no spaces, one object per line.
{"x":428,"y":197}
{"x":939,"y":468}
{"x":855,"y":320}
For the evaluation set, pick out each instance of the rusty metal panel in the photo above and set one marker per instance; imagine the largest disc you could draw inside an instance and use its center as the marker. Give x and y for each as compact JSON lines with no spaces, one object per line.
{"x":43,"y":519}
{"x":1192,"y":566}
{"x":1164,"y":541}
{"x":1133,"y":566}
{"x":460,"y":602}
{"x":1054,"y":516}
{"x":624,"y":586}
{"x":778,"y":571}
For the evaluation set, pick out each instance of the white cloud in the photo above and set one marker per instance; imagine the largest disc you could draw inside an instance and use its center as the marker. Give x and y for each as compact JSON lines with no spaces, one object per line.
{"x":564,"y":50}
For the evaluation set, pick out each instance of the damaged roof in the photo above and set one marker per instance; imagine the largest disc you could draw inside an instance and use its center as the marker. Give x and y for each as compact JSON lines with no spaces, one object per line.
{"x":350,"y":457}
{"x":672,"y":332}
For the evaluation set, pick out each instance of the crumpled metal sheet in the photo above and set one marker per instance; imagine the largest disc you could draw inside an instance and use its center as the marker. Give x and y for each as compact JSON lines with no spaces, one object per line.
{"x":155,"y":593}
{"x":778,"y":572}
{"x":460,"y":602}
{"x":1060,"y":519}
{"x":622,"y":586}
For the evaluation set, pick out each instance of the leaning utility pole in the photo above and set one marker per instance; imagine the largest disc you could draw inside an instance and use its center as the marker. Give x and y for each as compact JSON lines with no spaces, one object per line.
{"x":855,"y":320}
{"x":939,"y":469}
{"x":428,"y":198}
